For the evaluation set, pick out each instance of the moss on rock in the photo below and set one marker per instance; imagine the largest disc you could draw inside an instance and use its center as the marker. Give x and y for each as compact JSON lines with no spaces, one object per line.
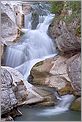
{"x":76,"y":105}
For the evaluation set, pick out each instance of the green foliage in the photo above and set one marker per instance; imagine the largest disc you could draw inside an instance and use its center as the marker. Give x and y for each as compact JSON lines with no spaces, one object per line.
{"x":57,"y":6}
{"x":75,"y":6}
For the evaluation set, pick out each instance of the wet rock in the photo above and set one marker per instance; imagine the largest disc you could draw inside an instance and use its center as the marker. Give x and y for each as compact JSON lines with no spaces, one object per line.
{"x":8,"y":118}
{"x":48,"y":94}
{"x":76,"y":105}
{"x":74,"y":72}
{"x":15,"y":112}
{"x":35,"y":19}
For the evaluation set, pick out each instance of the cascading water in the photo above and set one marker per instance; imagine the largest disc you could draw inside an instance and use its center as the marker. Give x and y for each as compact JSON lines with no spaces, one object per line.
{"x":34,"y":46}
{"x":63,"y":106}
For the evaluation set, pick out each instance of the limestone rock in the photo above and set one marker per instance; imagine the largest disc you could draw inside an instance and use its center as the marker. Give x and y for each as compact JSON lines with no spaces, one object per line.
{"x":18,"y":86}
{"x":8,"y":99}
{"x":74,"y":72}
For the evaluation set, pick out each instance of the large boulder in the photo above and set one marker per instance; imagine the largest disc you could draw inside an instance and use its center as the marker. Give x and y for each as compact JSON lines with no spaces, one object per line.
{"x":74,"y":72}
{"x":53,"y":73}
{"x":40,"y":72}
{"x":18,"y":86}
{"x":8,"y":99}
{"x":13,"y":90}
{"x":65,"y":34}
{"x":68,"y":42}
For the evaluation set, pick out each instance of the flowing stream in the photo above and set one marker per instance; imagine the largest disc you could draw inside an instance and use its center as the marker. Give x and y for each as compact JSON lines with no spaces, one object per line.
{"x":35,"y":46}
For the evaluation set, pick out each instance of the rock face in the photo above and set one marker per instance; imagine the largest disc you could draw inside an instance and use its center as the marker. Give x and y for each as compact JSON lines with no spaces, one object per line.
{"x":74,"y":72}
{"x":8,"y":27}
{"x":11,"y":21}
{"x":64,"y":35}
{"x":68,"y":40}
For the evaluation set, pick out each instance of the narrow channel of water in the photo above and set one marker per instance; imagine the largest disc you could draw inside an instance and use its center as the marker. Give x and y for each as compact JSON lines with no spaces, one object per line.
{"x":32,"y":114}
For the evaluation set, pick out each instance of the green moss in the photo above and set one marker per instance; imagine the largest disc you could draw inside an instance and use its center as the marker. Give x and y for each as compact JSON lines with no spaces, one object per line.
{"x":75,"y":5}
{"x":57,"y":6}
{"x":76,"y":105}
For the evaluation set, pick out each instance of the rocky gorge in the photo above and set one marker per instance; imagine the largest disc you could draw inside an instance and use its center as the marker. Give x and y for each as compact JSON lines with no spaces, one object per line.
{"x":45,"y":82}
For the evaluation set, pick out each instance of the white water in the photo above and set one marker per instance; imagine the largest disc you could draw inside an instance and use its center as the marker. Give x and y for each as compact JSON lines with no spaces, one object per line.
{"x":63,"y":106}
{"x":34,"y":47}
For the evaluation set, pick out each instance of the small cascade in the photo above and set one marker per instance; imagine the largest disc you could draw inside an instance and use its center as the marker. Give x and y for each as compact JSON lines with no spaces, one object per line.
{"x":35,"y":45}
{"x":65,"y":102}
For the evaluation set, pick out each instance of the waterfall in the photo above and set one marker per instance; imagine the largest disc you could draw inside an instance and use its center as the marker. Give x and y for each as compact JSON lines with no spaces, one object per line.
{"x":34,"y":46}
{"x":63,"y":106}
